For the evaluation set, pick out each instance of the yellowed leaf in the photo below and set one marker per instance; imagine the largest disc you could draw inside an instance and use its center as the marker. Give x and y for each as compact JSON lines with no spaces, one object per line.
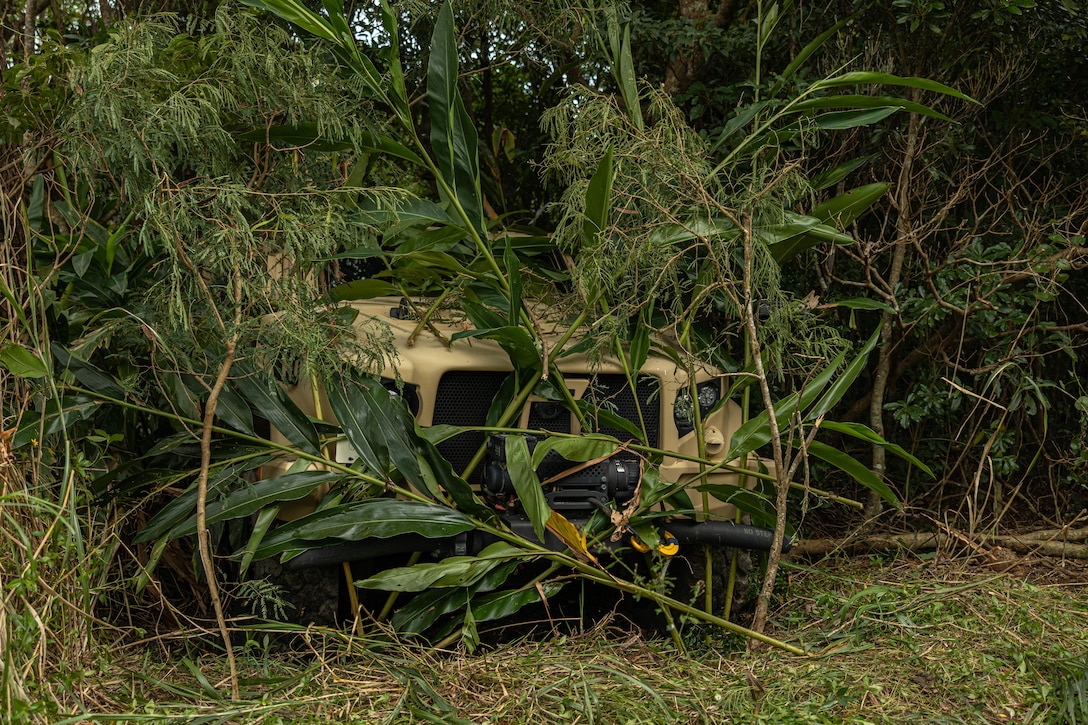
{"x":569,"y":534}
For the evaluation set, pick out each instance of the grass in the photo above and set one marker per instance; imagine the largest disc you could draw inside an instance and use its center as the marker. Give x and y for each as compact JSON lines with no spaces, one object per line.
{"x":892,"y":641}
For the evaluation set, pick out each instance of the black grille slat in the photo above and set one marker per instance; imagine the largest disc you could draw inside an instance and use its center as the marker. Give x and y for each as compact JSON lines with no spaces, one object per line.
{"x":611,"y":392}
{"x":464,"y":398}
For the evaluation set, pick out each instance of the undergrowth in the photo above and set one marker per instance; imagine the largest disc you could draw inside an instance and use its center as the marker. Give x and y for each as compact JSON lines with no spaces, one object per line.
{"x":890,"y":641}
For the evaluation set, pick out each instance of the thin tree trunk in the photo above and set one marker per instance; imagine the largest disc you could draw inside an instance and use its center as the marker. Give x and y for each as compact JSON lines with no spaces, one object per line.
{"x":782,"y":480}
{"x":203,"y":537}
{"x":904,"y":236}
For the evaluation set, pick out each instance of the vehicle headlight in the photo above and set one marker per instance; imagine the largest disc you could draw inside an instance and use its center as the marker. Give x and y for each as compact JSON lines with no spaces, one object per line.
{"x":683,"y":410}
{"x":407,"y":391}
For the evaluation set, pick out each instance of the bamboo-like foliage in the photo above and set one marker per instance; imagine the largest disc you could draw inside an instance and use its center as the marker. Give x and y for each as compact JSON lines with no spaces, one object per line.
{"x":223,"y":152}
{"x":240,"y":221}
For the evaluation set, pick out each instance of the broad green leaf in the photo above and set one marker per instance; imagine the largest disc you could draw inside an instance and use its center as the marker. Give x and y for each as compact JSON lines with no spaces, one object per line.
{"x":516,"y":341}
{"x":458,"y":488}
{"x":268,"y":398}
{"x":446,"y":263}
{"x":377,"y":143}
{"x":442,"y":234}
{"x":378,"y":425}
{"x":431,"y":487}
{"x":788,"y":249}
{"x":507,"y":603}
{"x":233,"y":411}
{"x":386,"y":517}
{"x":843,"y":382}
{"x":858,"y":101}
{"x":22,"y":362}
{"x":598,"y":201}
{"x":768,"y":23}
{"x":797,"y":234}
{"x":35,"y":209}
{"x":578,"y":449}
{"x":607,"y":419}
{"x":750,"y":502}
{"x":409,"y":210}
{"x":831,"y":177}
{"x":482,"y":317}
{"x":426,"y":608}
{"x":264,"y":522}
{"x":653,"y":488}
{"x":363,"y":289}
{"x":513,"y":276}
{"x":89,"y":376}
{"x":181,"y":508}
{"x":680,"y":501}
{"x":470,"y":635}
{"x":88,"y":227}
{"x":376,"y":517}
{"x":639,"y":348}
{"x":456,"y":571}
{"x":842,"y":120}
{"x":82,"y":262}
{"x":356,"y":253}
{"x":504,"y":397}
{"x":797,"y":224}
{"x":714,"y":228}
{"x":742,"y":118}
{"x":756,"y":431}
{"x":867,"y":434}
{"x":629,"y":81}
{"x":647,"y":532}
{"x":182,"y":399}
{"x":623,"y":69}
{"x":35,"y":425}
{"x":16,"y":302}
{"x":847,"y":207}
{"x":383,"y":431}
{"x":435,"y":434}
{"x":299,"y":14}
{"x":157,"y":550}
{"x":308,"y":136}
{"x":453,"y":135}
{"x":349,"y":408}
{"x":806,"y":52}
{"x":864,"y":303}
{"x":396,"y":73}
{"x":526,"y":483}
{"x":854,"y":468}
{"x":858,"y":78}
{"x":253,"y":497}
{"x":333,"y":29}
{"x":335,"y":11}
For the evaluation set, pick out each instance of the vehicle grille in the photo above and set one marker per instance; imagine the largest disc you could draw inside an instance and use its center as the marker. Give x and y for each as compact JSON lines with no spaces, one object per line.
{"x":464,"y":398}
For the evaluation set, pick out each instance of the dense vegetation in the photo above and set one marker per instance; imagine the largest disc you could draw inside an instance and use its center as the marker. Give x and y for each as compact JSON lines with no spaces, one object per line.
{"x":901,"y":188}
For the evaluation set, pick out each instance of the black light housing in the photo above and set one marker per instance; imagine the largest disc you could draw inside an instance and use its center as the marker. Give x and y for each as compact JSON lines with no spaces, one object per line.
{"x":683,"y":411}
{"x":406,"y":391}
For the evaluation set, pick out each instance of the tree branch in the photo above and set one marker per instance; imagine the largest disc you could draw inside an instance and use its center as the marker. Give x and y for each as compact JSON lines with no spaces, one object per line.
{"x":203,"y":537}
{"x":1050,"y":542}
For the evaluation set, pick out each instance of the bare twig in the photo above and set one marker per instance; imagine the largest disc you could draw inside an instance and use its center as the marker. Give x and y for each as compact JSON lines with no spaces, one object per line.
{"x":203,"y":537}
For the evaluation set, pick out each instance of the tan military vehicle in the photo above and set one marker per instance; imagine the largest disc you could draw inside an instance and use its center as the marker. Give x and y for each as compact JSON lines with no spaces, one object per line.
{"x":446,"y":381}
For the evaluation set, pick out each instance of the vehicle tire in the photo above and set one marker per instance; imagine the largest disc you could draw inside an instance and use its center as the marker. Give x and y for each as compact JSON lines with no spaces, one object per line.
{"x":686,"y":582}
{"x":688,"y":572}
{"x":308,"y":596}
